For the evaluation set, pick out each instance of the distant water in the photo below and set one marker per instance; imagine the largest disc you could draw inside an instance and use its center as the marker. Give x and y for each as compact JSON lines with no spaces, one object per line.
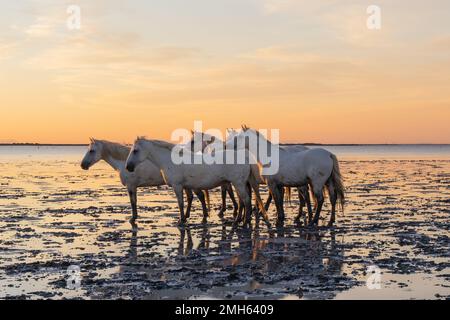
{"x":355,"y":152}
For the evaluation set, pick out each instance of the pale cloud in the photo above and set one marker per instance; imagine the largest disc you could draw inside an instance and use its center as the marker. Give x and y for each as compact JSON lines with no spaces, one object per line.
{"x":290,"y":6}
{"x":42,"y":27}
{"x":113,"y":52}
{"x":282,"y":54}
{"x":292,"y":59}
{"x":295,"y":6}
{"x":348,"y":24}
{"x":343,"y":20}
{"x":7,"y":49}
{"x":274,"y":6}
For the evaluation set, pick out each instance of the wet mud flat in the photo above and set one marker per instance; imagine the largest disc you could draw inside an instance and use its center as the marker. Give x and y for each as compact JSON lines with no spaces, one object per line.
{"x":64,"y":233}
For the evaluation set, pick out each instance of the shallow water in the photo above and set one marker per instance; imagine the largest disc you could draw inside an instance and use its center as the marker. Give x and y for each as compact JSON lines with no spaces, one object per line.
{"x":54,"y":215}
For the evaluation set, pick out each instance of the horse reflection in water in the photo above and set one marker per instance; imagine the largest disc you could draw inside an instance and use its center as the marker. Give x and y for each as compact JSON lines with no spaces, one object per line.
{"x":182,"y":250}
{"x":132,"y":252}
{"x":223,"y":262}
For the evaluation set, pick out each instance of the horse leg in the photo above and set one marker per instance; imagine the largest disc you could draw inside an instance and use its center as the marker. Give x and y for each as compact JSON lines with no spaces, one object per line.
{"x":248,"y":209}
{"x":268,"y":201}
{"x":301,"y":198}
{"x":237,"y":216}
{"x":281,"y":205}
{"x":333,"y":200}
{"x":132,"y":192}
{"x":223,"y":190}
{"x":240,"y":209}
{"x":243,"y":203}
{"x":233,"y":199}
{"x":189,"y":197}
{"x":278,"y":198}
{"x":318,"y":193}
{"x":248,"y":213}
{"x":201,"y":197}
{"x":259,"y":205}
{"x":179,"y":193}
{"x":308,"y":202}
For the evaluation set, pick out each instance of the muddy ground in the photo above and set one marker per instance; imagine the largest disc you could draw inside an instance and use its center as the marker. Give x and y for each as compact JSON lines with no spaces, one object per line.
{"x":56,"y":219}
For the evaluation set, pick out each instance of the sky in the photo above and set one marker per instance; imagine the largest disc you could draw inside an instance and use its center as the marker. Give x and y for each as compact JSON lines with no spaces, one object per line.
{"x":309,"y":68}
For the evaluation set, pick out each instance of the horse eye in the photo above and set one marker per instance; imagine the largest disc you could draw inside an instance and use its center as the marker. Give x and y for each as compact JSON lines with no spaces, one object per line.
{"x":91,"y":151}
{"x":135,"y":151}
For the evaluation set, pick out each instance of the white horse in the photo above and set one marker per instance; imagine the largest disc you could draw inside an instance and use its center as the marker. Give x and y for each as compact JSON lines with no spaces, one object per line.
{"x":303,"y":192}
{"x":207,"y":140}
{"x":196,"y":176}
{"x":316,"y":167}
{"x":145,"y":175}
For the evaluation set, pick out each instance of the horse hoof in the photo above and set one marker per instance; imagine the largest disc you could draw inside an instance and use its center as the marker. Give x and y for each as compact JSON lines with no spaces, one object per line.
{"x":298,"y":222}
{"x":313,"y":224}
{"x":331,"y":224}
{"x":205,"y":221}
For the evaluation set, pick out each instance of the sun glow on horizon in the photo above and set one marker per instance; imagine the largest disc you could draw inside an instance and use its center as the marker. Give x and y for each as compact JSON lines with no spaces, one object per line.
{"x":312,"y":70}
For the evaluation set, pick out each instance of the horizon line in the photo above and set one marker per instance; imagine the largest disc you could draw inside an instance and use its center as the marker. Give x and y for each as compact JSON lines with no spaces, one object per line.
{"x":31,"y":144}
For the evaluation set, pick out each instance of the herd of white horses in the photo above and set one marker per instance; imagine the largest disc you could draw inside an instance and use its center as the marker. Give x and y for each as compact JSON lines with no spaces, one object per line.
{"x":314,"y":172}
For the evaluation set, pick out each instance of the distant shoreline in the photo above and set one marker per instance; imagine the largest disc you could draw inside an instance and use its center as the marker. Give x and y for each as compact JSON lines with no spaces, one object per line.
{"x":283,"y":144}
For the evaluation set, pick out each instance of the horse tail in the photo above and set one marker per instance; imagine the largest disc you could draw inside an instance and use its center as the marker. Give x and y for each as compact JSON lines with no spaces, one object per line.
{"x":208,"y":202}
{"x":288,"y":194}
{"x":252,"y":180}
{"x":338,"y":182}
{"x":313,"y":194}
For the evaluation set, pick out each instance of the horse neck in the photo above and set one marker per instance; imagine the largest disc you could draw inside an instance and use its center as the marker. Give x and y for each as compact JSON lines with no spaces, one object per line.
{"x":115,"y":155}
{"x":159,"y":155}
{"x":261,"y":139}
{"x":260,"y":136}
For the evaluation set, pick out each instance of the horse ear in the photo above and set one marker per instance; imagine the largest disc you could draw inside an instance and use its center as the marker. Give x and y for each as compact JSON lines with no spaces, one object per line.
{"x":192,"y":132}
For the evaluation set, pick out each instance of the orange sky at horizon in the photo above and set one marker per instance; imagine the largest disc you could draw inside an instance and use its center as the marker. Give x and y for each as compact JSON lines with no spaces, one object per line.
{"x":314,"y":71}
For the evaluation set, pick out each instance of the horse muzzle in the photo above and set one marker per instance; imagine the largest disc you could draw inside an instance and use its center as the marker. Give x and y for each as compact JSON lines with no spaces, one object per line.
{"x":130,"y":167}
{"x":84,"y":166}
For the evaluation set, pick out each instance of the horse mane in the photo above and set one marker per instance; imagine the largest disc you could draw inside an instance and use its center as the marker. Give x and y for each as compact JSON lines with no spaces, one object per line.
{"x":163,"y":144}
{"x":116,"y":150}
{"x":159,"y":143}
